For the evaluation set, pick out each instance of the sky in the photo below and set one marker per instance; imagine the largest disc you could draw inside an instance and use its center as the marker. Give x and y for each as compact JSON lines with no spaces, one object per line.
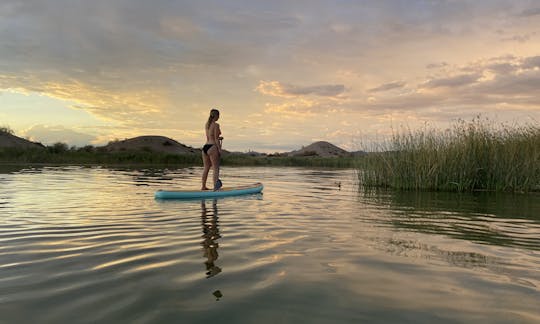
{"x":283,"y":74}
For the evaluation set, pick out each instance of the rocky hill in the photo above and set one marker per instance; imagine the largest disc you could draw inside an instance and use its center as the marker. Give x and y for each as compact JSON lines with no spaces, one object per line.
{"x":151,"y":143}
{"x":322,"y":149}
{"x":9,"y":140}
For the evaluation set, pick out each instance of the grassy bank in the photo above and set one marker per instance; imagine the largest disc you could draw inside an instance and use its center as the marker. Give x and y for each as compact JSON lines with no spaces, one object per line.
{"x":298,"y":161}
{"x":470,"y":156}
{"x":59,"y":154}
{"x":82,"y":157}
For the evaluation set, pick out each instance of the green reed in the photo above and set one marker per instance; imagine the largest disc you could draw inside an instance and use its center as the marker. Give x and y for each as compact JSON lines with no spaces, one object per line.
{"x":470,"y":156}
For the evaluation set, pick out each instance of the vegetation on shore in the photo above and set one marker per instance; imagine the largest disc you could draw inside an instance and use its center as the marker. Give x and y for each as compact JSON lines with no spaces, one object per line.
{"x":149,"y":151}
{"x":6,"y":129}
{"x":470,"y":156}
{"x":300,"y":161}
{"x":60,"y":153}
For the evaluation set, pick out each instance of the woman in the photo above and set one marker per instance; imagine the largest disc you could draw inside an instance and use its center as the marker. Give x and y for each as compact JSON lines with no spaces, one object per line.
{"x":211,"y":151}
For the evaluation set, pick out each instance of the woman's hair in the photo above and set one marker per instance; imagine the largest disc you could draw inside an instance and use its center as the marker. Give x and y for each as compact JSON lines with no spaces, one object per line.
{"x":214,"y":114}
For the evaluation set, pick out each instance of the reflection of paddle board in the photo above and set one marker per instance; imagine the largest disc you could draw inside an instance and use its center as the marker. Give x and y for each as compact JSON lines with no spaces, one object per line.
{"x":223,"y":192}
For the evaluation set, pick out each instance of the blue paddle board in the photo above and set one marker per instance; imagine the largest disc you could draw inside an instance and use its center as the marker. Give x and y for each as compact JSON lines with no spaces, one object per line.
{"x":202,"y":194}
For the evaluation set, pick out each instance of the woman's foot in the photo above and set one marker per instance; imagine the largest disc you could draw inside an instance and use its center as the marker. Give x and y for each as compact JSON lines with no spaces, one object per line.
{"x":204,"y":188}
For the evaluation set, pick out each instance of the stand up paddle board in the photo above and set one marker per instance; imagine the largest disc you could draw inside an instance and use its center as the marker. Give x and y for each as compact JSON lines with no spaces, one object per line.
{"x":196,"y":194}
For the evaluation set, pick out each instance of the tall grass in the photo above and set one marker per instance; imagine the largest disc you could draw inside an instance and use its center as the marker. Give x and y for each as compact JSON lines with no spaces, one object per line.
{"x":476,"y":155}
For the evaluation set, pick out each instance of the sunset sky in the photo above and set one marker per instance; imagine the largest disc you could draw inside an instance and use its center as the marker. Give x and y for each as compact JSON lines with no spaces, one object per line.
{"x":283,"y":73}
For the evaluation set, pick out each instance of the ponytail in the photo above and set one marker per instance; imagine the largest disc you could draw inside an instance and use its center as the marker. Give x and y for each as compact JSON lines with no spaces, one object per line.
{"x":214,"y":114}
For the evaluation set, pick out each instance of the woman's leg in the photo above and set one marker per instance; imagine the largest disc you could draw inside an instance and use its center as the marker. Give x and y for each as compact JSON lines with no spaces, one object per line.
{"x":213,"y":154}
{"x":207,"y":164}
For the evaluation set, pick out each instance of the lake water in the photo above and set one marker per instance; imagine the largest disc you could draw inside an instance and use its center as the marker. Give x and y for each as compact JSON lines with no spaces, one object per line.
{"x":91,"y":245}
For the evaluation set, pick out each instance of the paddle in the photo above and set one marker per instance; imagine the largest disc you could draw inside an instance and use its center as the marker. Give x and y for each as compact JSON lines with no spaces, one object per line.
{"x":218,"y":183}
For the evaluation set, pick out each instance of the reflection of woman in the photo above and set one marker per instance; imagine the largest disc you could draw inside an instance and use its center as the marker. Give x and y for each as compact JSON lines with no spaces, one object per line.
{"x":210,"y":235}
{"x":211,"y":151}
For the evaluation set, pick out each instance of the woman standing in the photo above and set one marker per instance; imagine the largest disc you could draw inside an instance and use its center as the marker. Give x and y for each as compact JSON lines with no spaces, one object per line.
{"x":211,"y":151}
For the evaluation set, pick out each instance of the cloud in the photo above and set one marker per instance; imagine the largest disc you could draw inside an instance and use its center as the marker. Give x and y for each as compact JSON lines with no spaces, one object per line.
{"x":519,"y":38}
{"x":159,"y":66}
{"x":513,"y":87}
{"x":510,"y":82}
{"x":53,"y":134}
{"x":531,"y":62}
{"x":388,"y":86}
{"x":453,"y":81}
{"x":530,"y":12}
{"x":436,"y":65}
{"x":501,"y":68}
{"x":129,"y":106}
{"x":278,"y":89}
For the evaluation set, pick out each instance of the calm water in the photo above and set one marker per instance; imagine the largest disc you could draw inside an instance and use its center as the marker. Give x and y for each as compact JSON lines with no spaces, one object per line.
{"x":91,"y":245}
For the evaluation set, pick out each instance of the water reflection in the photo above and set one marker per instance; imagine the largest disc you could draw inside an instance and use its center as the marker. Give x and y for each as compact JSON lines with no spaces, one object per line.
{"x":210,"y":228}
{"x":8,"y":168}
{"x":500,"y":205}
{"x":487,"y":218}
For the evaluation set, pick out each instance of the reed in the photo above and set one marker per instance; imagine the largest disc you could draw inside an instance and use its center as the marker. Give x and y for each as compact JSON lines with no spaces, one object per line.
{"x":470,"y":156}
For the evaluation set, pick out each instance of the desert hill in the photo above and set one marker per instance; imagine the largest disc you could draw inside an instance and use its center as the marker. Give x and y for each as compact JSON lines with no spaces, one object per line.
{"x":152,"y":143}
{"x":322,"y":149}
{"x":9,"y":140}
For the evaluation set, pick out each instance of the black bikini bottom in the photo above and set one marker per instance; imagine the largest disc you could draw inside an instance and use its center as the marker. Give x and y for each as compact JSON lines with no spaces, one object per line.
{"x":206,"y":147}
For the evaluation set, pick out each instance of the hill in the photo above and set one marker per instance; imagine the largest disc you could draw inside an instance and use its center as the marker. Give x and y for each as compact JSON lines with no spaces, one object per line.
{"x":322,"y":149}
{"x":9,"y":140}
{"x":151,"y":143}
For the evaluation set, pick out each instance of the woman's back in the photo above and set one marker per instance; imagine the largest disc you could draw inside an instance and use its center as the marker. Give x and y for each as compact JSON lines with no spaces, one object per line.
{"x":212,"y":132}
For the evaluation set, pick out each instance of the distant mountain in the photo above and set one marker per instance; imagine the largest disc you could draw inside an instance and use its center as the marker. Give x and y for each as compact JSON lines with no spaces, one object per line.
{"x":9,"y":140}
{"x":322,"y":149}
{"x":151,"y":143}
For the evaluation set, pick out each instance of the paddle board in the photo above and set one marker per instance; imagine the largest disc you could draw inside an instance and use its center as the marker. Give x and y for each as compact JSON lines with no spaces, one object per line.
{"x":201,"y":194}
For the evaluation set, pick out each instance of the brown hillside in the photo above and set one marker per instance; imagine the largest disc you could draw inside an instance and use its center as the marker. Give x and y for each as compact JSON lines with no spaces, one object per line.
{"x":152,"y":143}
{"x":323,"y":149}
{"x":8,"y":140}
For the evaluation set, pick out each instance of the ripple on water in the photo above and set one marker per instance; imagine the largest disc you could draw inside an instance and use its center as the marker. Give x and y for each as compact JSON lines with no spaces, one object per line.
{"x":93,"y":244}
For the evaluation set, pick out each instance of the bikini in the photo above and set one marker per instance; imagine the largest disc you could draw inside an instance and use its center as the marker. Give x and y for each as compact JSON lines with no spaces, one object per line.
{"x":206,"y":147}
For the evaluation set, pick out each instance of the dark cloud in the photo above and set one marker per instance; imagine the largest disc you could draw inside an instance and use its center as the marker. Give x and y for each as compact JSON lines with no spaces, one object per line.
{"x":518,"y":38}
{"x":531,"y":62}
{"x":514,"y":83}
{"x":278,"y":89}
{"x":452,"y":82}
{"x":436,"y":65}
{"x":530,"y":12}
{"x":388,"y":86}
{"x":502,"y":68}
{"x":512,"y":86}
{"x":331,"y":90}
